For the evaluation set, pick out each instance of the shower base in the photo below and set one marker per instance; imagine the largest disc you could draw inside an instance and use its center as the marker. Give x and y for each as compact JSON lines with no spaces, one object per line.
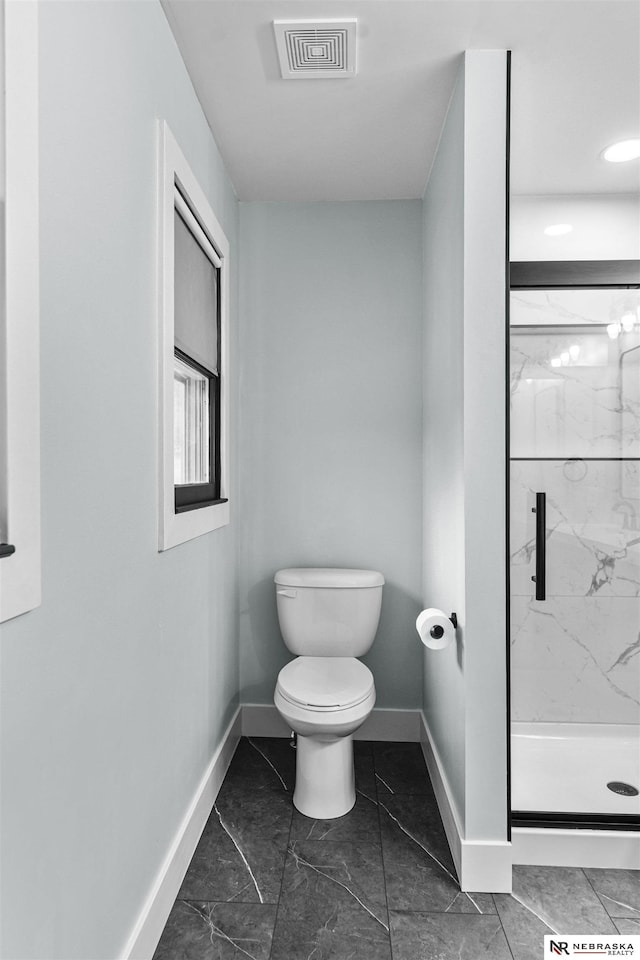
{"x":564,"y":768}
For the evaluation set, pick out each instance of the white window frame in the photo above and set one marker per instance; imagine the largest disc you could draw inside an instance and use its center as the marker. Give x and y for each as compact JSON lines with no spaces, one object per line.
{"x":175,"y":528}
{"x":20,"y":573}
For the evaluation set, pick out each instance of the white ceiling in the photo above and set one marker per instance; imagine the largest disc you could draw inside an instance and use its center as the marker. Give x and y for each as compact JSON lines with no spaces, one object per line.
{"x":575,"y":90}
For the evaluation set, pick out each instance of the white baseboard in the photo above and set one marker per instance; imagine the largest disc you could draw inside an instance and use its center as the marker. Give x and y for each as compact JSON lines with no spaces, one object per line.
{"x":144,"y":938}
{"x":444,"y":797}
{"x":486,"y":866}
{"x":483,"y":866}
{"x":608,"y":849}
{"x":403,"y":726}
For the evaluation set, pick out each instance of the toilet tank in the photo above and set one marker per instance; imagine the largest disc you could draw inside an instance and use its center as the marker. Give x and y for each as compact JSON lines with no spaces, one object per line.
{"x":327,"y":612}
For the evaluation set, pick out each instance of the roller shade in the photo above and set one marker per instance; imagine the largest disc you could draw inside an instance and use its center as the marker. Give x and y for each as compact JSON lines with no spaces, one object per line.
{"x":195,"y":299}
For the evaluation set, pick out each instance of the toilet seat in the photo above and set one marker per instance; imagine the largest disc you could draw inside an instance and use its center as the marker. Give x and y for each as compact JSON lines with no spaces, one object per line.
{"x":325,"y":684}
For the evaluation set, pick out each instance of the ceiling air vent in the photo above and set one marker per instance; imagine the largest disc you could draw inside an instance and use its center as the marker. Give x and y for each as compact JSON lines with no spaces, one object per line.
{"x":316,"y":49}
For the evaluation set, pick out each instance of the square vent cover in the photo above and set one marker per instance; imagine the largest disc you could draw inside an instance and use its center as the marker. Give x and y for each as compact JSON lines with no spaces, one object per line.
{"x":316,"y":49}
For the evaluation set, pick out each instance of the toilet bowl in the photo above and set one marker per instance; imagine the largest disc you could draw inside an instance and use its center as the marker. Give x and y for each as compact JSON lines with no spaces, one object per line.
{"x":329,"y":617}
{"x":324,"y":700}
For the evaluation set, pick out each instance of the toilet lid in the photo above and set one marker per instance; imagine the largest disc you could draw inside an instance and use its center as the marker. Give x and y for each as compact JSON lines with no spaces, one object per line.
{"x":325,"y":682}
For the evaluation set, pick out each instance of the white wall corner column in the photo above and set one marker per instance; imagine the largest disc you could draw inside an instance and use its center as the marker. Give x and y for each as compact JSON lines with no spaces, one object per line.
{"x":485,"y":385}
{"x":465,"y":734}
{"x":20,"y":573}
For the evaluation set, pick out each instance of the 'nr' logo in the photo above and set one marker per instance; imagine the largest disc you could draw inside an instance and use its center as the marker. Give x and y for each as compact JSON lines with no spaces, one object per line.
{"x":559,"y":948}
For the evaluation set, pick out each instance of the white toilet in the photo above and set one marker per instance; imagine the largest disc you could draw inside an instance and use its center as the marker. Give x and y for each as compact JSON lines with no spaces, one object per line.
{"x":328,"y":617}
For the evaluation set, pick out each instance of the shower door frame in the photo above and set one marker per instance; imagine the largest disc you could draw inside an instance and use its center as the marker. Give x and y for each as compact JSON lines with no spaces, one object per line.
{"x":559,"y":275}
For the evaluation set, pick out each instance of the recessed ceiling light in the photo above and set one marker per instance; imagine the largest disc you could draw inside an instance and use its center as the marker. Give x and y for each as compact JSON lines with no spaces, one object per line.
{"x":557,"y":229}
{"x":622,"y":151}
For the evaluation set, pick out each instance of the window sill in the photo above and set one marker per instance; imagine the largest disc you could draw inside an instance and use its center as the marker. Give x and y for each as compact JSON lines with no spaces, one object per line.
{"x":185,"y":508}
{"x":178,"y":528}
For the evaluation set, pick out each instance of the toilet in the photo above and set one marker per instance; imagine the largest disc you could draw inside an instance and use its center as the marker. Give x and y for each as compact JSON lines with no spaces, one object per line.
{"x":328,"y":617}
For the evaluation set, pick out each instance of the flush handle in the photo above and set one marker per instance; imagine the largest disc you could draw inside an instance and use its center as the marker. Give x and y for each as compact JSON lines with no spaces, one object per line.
{"x":287,"y":593}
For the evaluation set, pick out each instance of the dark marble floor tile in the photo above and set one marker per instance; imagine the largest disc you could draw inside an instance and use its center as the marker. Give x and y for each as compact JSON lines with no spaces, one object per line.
{"x":217,"y":931}
{"x":525,"y":931}
{"x":548,"y":900}
{"x":618,"y":890}
{"x":263,"y":763}
{"x":400,"y":768}
{"x":365,"y":773}
{"x":472,"y":903}
{"x":418,"y":866}
{"x":236,"y":858}
{"x":417,"y":877}
{"x":564,"y":896}
{"x":417,"y":818}
{"x":263,"y":813}
{"x":627,"y":926}
{"x":417,"y":882}
{"x":337,"y":887}
{"x":365,"y":790}
{"x":458,"y":937}
{"x":306,"y":940}
{"x":361,"y":823}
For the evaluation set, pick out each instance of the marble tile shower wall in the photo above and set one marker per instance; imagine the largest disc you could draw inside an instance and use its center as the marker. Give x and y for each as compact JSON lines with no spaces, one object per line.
{"x":576,"y":655}
{"x":588,"y":408}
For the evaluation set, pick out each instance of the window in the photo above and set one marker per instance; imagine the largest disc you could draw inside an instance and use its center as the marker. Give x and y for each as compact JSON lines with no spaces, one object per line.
{"x":193,"y":357}
{"x":196,"y":377}
{"x":192,"y":427}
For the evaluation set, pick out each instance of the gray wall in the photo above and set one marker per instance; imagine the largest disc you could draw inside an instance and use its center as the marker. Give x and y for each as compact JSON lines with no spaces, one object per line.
{"x":443,"y":424}
{"x":331,"y":420}
{"x":116,"y":691}
{"x":464,"y":444}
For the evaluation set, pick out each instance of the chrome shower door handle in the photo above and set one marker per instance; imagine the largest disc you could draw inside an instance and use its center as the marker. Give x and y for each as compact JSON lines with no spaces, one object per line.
{"x":540,"y":578}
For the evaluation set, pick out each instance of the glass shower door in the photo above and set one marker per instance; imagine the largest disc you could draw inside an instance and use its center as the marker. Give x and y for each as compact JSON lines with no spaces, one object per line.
{"x":575,"y":555}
